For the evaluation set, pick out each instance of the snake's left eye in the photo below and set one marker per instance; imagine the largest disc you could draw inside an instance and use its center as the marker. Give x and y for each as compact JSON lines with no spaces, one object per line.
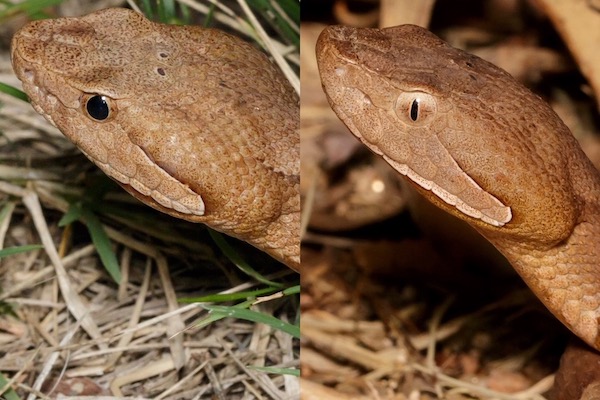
{"x":416,"y":108}
{"x":97,"y":107}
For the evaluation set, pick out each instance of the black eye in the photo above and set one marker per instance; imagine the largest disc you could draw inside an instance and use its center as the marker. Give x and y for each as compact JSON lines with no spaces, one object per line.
{"x":98,"y":107}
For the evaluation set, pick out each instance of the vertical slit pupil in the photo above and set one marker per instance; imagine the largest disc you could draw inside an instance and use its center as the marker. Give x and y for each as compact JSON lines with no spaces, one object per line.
{"x":414,"y":110}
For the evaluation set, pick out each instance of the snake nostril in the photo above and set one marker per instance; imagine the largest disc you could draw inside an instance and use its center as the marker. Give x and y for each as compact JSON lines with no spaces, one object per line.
{"x":28,"y":75}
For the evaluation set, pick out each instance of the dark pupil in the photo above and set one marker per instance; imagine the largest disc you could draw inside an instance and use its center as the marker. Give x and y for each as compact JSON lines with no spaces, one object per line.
{"x":414,"y":110}
{"x":97,"y":107}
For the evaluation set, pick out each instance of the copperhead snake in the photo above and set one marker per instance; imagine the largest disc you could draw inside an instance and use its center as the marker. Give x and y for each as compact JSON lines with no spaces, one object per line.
{"x":193,"y":122}
{"x":479,"y":145}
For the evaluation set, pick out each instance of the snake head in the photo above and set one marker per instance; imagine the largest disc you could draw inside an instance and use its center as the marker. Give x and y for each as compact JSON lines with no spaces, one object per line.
{"x":468,"y":136}
{"x":194,"y":122}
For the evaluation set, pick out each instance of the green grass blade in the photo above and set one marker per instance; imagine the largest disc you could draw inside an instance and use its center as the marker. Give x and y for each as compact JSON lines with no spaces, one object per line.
{"x":13,"y":91}
{"x":73,"y":214}
{"x":6,"y":392}
{"x":278,"y":21}
{"x":221,"y":298}
{"x":33,"y":8}
{"x":102,"y":244}
{"x":277,"y":370}
{"x":254,"y":316}
{"x":235,"y":258}
{"x":19,"y":249}
{"x":292,"y":290}
{"x":213,"y":317}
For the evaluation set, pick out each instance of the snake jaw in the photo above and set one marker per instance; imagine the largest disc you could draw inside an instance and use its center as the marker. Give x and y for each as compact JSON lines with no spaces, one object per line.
{"x":180,"y":198}
{"x":497,"y":215}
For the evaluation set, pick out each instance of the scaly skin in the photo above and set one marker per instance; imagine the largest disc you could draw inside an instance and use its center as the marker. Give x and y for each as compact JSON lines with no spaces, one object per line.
{"x":480,"y":146}
{"x":201,"y":125}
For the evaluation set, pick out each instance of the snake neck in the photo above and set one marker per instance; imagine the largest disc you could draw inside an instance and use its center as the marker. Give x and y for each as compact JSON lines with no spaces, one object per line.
{"x":278,"y":236}
{"x":565,"y":275}
{"x":282,"y":240}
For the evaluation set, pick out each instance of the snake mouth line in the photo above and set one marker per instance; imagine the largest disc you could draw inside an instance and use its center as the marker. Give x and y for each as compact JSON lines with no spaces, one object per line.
{"x":190,"y":203}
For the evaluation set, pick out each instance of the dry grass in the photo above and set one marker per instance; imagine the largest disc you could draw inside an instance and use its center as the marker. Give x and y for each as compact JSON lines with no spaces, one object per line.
{"x":417,"y":337}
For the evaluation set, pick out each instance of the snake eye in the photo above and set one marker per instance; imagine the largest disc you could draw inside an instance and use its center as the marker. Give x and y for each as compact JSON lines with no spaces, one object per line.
{"x":416,"y":108}
{"x":98,"y":107}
